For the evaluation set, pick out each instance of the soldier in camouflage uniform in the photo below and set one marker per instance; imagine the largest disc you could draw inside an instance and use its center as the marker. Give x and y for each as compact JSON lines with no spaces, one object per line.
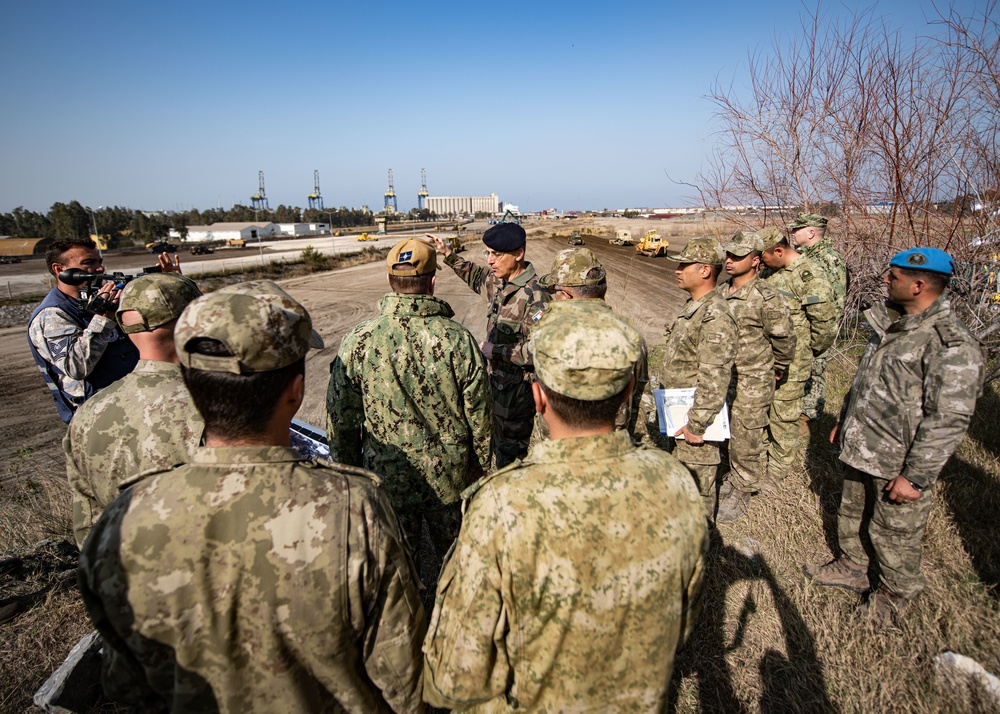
{"x":765,"y":347}
{"x":516,"y":304}
{"x":577,"y":274}
{"x":144,"y":421}
{"x":577,"y":574}
{"x":808,"y":234}
{"x":910,"y":405}
{"x":814,"y":317}
{"x":250,"y":580}
{"x":699,"y":352}
{"x":409,"y":399}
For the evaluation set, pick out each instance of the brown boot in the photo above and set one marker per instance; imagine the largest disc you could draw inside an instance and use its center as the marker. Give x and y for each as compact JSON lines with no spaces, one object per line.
{"x":840,"y":573}
{"x":885,"y":607}
{"x":804,"y":423}
{"x":734,"y":507}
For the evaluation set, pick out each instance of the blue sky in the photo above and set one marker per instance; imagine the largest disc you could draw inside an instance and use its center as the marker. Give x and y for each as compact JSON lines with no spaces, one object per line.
{"x":569,"y":105}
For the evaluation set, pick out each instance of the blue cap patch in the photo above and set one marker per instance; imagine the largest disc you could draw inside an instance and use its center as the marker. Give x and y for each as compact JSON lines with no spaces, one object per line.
{"x":405,"y":256}
{"x":930,"y":259}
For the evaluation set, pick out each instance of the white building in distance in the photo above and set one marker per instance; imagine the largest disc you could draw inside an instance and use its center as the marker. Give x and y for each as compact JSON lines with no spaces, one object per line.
{"x":463,"y":205}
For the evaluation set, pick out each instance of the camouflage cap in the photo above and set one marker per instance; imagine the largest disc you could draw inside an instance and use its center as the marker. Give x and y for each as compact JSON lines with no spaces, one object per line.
{"x":158,"y":298}
{"x":701,"y":250}
{"x":743,"y":244}
{"x":574,"y":267}
{"x":418,"y":253}
{"x":584,"y":351}
{"x":770,"y":237}
{"x":261,"y":325}
{"x":807,"y":220}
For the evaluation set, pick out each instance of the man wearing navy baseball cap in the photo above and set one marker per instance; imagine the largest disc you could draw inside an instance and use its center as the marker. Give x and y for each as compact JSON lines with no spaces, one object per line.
{"x":909,"y":407}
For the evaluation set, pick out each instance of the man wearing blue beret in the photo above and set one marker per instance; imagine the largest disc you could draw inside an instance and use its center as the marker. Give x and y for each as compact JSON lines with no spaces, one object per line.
{"x":517,"y":302}
{"x":908,"y":409}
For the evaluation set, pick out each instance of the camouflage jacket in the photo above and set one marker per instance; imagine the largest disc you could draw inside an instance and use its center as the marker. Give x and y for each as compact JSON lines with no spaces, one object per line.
{"x":515,"y":306}
{"x":913,"y":395}
{"x":765,"y":339}
{"x":834,"y":268}
{"x":588,"y":547}
{"x":699,"y":352}
{"x":78,"y":353}
{"x":145,"y":421}
{"x":409,"y":399}
{"x":251,"y":581}
{"x":813,"y":311}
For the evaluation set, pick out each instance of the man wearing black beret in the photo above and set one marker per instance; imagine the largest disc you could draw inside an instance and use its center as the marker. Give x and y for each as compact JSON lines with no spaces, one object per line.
{"x":516,"y":303}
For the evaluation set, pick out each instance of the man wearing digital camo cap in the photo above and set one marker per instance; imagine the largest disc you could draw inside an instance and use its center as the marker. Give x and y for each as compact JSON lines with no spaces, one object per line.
{"x":301,"y":561}
{"x":144,"y":421}
{"x":409,"y":399}
{"x":894,"y":442}
{"x":517,"y":302}
{"x":588,"y":546}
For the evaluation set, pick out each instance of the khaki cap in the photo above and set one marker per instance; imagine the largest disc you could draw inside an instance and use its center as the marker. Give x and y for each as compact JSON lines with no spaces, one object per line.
{"x":418,"y":253}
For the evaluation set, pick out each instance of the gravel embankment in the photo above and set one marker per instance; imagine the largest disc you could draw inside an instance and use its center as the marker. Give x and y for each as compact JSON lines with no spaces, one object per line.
{"x":12,"y":315}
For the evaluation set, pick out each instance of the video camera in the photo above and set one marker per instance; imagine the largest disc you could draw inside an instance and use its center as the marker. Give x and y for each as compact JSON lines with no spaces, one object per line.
{"x":89,"y":299}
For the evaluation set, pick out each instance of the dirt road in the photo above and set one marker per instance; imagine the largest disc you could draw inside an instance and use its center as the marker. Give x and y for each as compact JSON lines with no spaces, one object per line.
{"x":641,"y":288}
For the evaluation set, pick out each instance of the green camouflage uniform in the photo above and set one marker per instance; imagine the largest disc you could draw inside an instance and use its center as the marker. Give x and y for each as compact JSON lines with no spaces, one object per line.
{"x":834,"y":268}
{"x":145,"y":421}
{"x":515,"y":306}
{"x":765,"y":340}
{"x":910,"y":405}
{"x":814,"y":317}
{"x":699,"y":352}
{"x":409,"y":399}
{"x":251,"y":581}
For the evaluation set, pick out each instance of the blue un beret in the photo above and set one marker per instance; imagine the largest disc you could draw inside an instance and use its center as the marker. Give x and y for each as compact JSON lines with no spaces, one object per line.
{"x":504,"y":238}
{"x":930,"y":259}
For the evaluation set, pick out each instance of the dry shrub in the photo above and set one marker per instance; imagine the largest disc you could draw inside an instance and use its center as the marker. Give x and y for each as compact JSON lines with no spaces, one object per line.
{"x":35,"y":502}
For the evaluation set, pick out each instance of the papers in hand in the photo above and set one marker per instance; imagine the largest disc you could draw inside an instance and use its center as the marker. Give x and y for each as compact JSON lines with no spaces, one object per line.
{"x":672,"y":407}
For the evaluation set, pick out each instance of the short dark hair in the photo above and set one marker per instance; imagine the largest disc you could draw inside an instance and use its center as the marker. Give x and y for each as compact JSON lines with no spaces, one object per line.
{"x":588,"y":292}
{"x":235,"y":405}
{"x":58,"y":248}
{"x":938,"y":281}
{"x":583,"y":414}
{"x":410,"y":284}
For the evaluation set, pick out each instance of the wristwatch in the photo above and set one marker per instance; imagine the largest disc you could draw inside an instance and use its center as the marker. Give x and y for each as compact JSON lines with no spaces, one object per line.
{"x":916,"y":487}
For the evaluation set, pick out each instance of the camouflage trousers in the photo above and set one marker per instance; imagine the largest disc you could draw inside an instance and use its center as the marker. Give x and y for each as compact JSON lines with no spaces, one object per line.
{"x":443,"y":525}
{"x":894,"y":531}
{"x":702,"y":460}
{"x":783,"y":430}
{"x":748,"y":446}
{"x":814,"y":401}
{"x":513,"y":419}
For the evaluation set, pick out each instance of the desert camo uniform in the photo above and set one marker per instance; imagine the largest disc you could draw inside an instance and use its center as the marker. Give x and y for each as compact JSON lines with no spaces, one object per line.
{"x":145,"y":421}
{"x":909,"y":407}
{"x":765,"y":341}
{"x":814,"y":317}
{"x":577,"y":574}
{"x":834,"y":268}
{"x":515,"y":307}
{"x":699,"y":352}
{"x":409,"y":399}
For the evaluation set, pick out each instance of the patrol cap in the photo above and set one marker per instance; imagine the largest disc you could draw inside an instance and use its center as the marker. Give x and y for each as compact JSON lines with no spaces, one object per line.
{"x":158,"y":298}
{"x":260,"y":324}
{"x":770,"y":237}
{"x":582,"y":350}
{"x":700,"y":250}
{"x":929,"y":259}
{"x":418,"y":253}
{"x":574,"y":267}
{"x":743,"y":244}
{"x":505,"y":237}
{"x":807,"y":220}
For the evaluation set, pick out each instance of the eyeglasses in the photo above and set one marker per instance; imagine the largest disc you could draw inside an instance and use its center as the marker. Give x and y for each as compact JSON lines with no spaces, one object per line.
{"x":496,"y":255}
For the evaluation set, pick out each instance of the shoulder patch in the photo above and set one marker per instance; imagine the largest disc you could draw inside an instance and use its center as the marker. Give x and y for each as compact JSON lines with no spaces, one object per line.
{"x":952,"y":335}
{"x":806,"y":276}
{"x":537,"y":316}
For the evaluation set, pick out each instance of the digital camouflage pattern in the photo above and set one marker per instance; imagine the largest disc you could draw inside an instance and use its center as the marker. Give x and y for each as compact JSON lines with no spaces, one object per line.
{"x":145,"y":421}
{"x":699,"y":352}
{"x":515,"y":306}
{"x":249,"y":580}
{"x":834,"y":267}
{"x":409,"y":399}
{"x":574,"y":267}
{"x":807,"y":220}
{"x":575,"y":580}
{"x":765,"y":341}
{"x":814,"y":317}
{"x":701,"y":250}
{"x":158,"y":298}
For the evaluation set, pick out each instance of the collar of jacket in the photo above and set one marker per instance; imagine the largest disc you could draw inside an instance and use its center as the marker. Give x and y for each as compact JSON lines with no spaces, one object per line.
{"x":398,"y":305}
{"x":264,"y":455}
{"x":884,"y":318}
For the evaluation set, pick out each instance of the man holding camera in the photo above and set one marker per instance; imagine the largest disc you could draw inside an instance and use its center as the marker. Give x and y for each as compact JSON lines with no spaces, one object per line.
{"x":80,"y":351}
